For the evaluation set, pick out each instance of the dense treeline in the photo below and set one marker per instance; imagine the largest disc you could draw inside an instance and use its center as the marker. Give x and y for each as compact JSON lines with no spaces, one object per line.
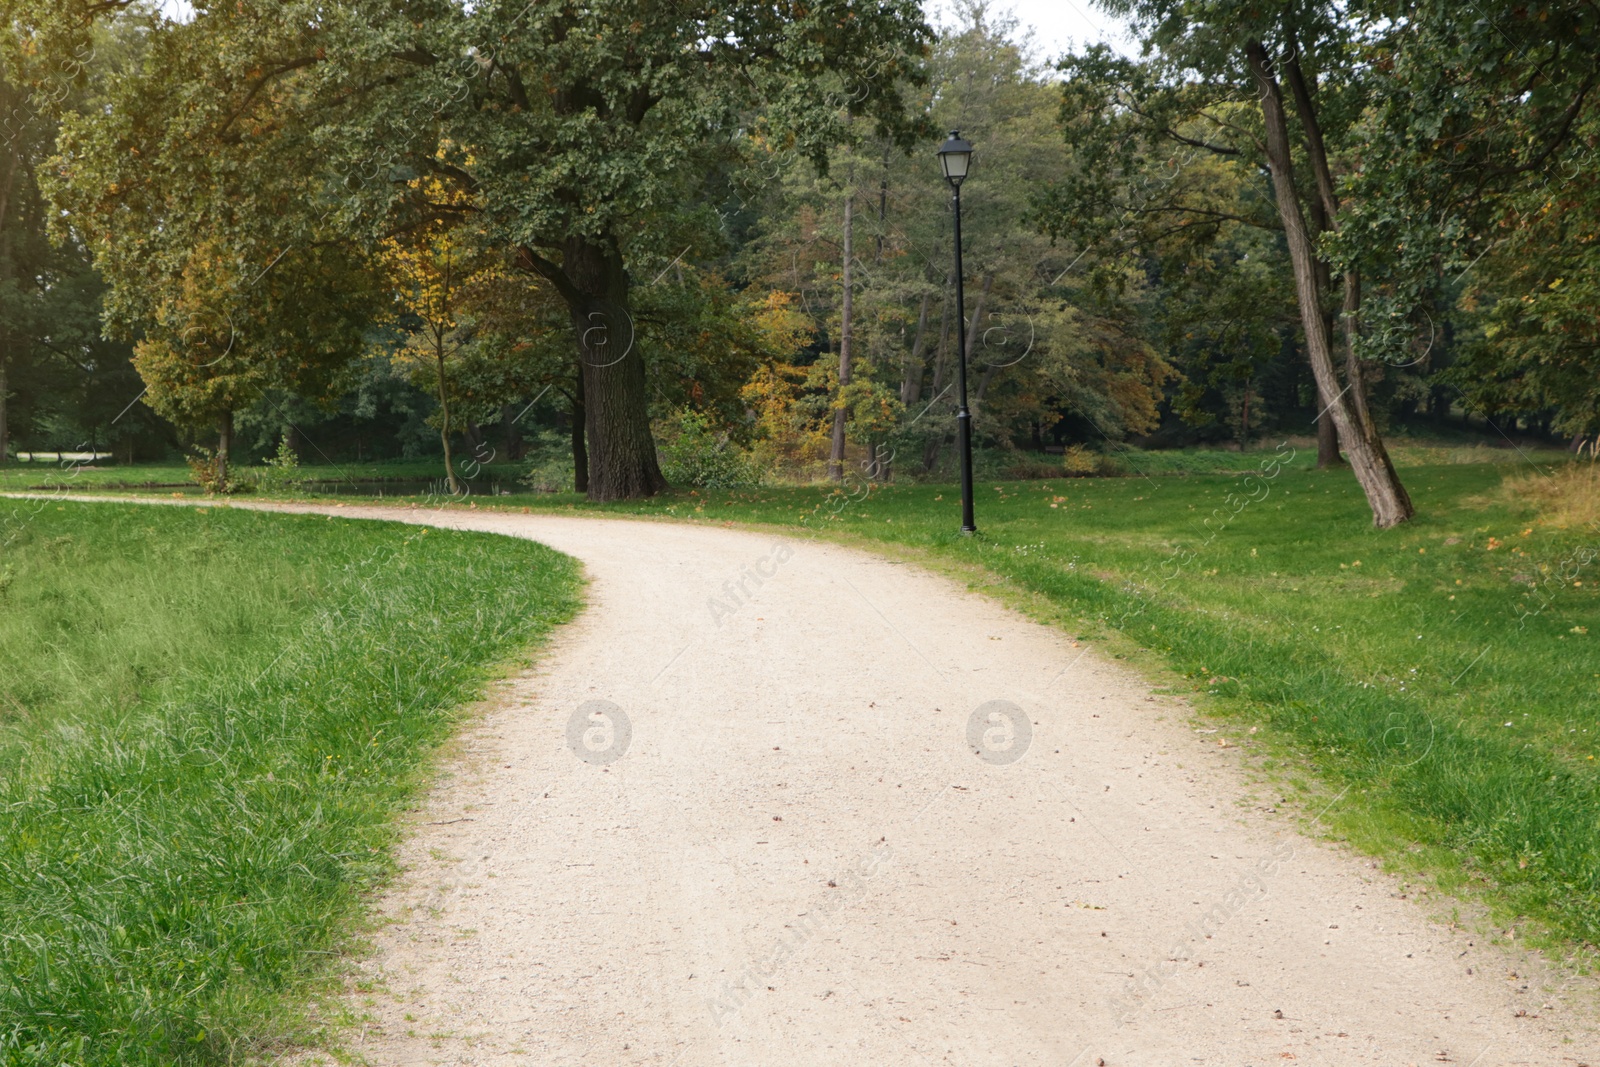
{"x":413,"y":229}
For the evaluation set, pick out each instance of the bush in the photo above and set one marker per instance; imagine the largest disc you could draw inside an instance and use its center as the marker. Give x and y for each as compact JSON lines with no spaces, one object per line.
{"x":693,"y":454}
{"x":549,"y":459}
{"x":1080,"y":462}
{"x":279,"y":473}
{"x":206,"y":470}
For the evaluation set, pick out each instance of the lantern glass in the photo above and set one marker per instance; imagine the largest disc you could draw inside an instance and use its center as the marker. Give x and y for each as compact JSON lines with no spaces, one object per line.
{"x":955,"y":156}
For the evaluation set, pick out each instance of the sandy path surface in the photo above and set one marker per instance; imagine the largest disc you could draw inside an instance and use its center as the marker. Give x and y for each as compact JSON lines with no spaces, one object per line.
{"x":801,"y":851}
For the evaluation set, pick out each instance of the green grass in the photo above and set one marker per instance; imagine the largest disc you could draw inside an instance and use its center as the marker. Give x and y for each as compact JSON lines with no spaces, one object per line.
{"x":174,"y":475}
{"x":209,"y":720}
{"x":1452,"y":686}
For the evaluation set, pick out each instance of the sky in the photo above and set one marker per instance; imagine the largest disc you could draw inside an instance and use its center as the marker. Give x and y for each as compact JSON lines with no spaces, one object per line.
{"x":1057,"y":24}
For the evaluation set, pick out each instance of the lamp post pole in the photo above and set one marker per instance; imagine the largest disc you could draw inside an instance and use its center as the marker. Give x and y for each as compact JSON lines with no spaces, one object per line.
{"x":963,"y":414}
{"x":956,"y":156}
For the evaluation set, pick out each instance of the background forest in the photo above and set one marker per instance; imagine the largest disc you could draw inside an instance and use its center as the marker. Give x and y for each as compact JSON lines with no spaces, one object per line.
{"x":218,"y":243}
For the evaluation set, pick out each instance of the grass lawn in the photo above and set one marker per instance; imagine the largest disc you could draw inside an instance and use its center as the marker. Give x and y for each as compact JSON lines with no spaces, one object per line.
{"x":1447,"y":672}
{"x":174,"y":475}
{"x":209,"y":720}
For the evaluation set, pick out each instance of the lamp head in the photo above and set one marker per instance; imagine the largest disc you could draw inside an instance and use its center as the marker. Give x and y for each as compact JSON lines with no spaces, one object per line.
{"x":955,"y":156}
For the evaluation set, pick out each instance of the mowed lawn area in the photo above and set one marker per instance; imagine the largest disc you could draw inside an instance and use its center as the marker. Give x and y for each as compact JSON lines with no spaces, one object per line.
{"x":1441,"y":679}
{"x":209,"y":721}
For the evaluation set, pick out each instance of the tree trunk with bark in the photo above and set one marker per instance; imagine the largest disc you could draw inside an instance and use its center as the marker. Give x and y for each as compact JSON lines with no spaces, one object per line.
{"x":916,"y":362}
{"x":846,"y":313}
{"x":1368,"y":459}
{"x":1327,"y":443}
{"x":621,"y":453}
{"x":937,"y":447}
{"x":510,"y":436}
{"x":224,"y":448}
{"x":451,"y":484}
{"x":580,"y":450}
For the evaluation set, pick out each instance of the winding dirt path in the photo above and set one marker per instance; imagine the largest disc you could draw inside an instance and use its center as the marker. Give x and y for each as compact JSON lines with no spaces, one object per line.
{"x":806,"y":853}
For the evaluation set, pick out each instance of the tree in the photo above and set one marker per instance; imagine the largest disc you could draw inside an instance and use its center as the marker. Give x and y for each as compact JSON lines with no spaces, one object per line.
{"x":189,"y":194}
{"x":584,"y":134}
{"x":1477,"y":190}
{"x":1046,"y":354}
{"x":1209,"y":62}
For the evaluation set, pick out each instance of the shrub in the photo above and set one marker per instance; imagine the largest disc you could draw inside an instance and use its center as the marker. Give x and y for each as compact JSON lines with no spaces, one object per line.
{"x":693,"y":454}
{"x":1080,"y":462}
{"x":279,"y":473}
{"x":549,"y":459}
{"x":206,"y":470}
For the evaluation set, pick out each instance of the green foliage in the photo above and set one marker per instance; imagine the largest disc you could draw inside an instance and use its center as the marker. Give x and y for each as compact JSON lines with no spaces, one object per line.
{"x":280,"y":472}
{"x":694,"y":453}
{"x":1477,"y":198}
{"x":213,"y":475}
{"x":549,"y":461}
{"x":209,"y":721}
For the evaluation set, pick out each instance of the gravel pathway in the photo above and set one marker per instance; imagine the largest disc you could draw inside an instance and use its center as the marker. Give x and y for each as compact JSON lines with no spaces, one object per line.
{"x":774,"y":802}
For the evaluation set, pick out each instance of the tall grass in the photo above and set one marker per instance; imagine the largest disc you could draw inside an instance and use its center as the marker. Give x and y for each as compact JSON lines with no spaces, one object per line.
{"x":1568,"y":495}
{"x":208,"y":722}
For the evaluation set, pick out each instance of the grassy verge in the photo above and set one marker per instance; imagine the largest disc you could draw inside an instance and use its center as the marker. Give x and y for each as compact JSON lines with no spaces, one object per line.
{"x":208,"y":723}
{"x":175,"y":475}
{"x":1446,"y":673}
{"x":354,"y":479}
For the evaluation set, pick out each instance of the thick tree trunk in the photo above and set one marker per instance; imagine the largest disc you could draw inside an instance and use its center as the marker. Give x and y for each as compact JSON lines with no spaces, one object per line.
{"x":580,"y":450}
{"x":621,"y":452}
{"x":846,"y":336}
{"x":1368,"y":459}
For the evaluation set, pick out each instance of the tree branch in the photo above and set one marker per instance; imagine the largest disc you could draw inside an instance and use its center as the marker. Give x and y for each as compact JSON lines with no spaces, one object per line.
{"x":534,"y":263}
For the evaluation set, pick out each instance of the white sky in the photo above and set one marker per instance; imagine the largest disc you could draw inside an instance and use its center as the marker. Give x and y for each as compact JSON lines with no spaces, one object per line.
{"x":1058,"y":25}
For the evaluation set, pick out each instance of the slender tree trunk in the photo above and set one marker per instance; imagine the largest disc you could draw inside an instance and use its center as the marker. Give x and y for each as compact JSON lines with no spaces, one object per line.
{"x":974,"y":331}
{"x":1386,"y":496}
{"x":580,"y":450}
{"x":510,"y":436}
{"x":931,"y":459}
{"x":883,"y":206}
{"x":224,"y":448}
{"x":1327,"y":443}
{"x":916,"y":362}
{"x":1350,"y":317}
{"x":453,"y":486}
{"x":5,"y":429}
{"x":941,"y":363}
{"x":847,"y":311}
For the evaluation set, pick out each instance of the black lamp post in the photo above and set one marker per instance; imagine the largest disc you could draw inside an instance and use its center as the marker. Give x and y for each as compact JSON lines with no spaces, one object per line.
{"x":955,"y":156}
